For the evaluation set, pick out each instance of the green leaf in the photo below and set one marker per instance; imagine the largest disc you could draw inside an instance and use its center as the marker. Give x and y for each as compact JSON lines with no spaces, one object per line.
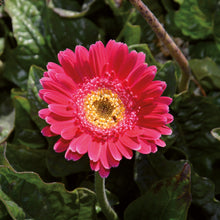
{"x":26,"y":132}
{"x":3,"y":159}
{"x":40,"y":35}
{"x":195,"y":117}
{"x":207,"y":72}
{"x":205,"y":49}
{"x":33,"y":87}
{"x":131,"y":34}
{"x":58,"y":166}
{"x":194,"y":18}
{"x":3,"y":212}
{"x":23,"y":158}
{"x":15,"y":211}
{"x":31,"y":194}
{"x":70,"y":13}
{"x":7,"y":116}
{"x":217,"y":25}
{"x":154,"y":167}
{"x":203,"y":197}
{"x":167,"y":199}
{"x":168,"y":73}
{"x":26,"y":21}
{"x":216,"y":133}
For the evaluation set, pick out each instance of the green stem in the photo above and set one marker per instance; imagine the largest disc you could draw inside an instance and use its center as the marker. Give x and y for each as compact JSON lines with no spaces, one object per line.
{"x":161,"y":33}
{"x":102,"y":198}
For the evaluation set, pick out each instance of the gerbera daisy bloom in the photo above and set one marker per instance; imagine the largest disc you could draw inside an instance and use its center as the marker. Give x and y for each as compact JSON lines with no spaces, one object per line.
{"x":104,"y":102}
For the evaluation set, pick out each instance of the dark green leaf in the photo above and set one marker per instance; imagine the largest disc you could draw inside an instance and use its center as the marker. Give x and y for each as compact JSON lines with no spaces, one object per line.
{"x":205,"y":49}
{"x":70,"y":13}
{"x":3,"y":160}
{"x":203,"y":198}
{"x":15,"y":211}
{"x":207,"y":72}
{"x":58,"y":166}
{"x":217,"y":25}
{"x":26,"y":20}
{"x":7,"y":116}
{"x":151,"y":168}
{"x":23,"y":158}
{"x":195,"y":117}
{"x":168,"y":73}
{"x":40,"y":35}
{"x":33,"y":87}
{"x":131,"y":34}
{"x":167,"y":199}
{"x":3,"y":212}
{"x":31,"y":194}
{"x":195,"y":18}
{"x":26,"y":132}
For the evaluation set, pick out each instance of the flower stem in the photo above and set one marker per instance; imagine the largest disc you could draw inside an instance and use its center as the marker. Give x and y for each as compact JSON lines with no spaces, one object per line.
{"x":161,"y":33}
{"x":102,"y":198}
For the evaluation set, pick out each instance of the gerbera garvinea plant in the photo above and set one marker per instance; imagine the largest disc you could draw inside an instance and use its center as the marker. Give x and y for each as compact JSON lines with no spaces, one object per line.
{"x":104,"y":102}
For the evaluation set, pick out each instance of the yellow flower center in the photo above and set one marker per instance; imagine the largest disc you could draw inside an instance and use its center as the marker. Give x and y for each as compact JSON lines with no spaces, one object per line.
{"x":103,"y":108}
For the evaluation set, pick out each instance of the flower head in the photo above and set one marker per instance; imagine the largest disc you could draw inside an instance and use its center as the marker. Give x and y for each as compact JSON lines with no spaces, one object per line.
{"x":104,"y":102}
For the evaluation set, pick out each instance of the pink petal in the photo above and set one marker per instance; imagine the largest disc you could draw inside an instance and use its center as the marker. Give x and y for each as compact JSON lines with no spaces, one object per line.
{"x":95,"y":165}
{"x":97,"y":58}
{"x":160,"y":143}
{"x":46,"y":74}
{"x":154,"y":109}
{"x":49,"y":84}
{"x":94,"y":150}
{"x":118,"y":55}
{"x":69,"y":155}
{"x":129,"y":142}
{"x":61,"y":145}
{"x":169,"y":117}
{"x":152,"y":121}
{"x":103,"y":172}
{"x":126,"y":152}
{"x":114,"y":151}
{"x":69,"y":132}
{"x":127,"y":65}
{"x":66,"y":83}
{"x":164,"y":100}
{"x":140,"y":58}
{"x":153,"y":148}
{"x":155,"y":89}
{"x":145,"y":147}
{"x":151,"y":133}
{"x":43,"y":113}
{"x":112,"y":162}
{"x":103,"y":156}
{"x":59,"y":126}
{"x":164,"y":130}
{"x":56,"y":97}
{"x":62,"y":110}
{"x":52,"y":74}
{"x":82,"y":60}
{"x":54,"y":66}
{"x":82,"y":143}
{"x":67,"y":60}
{"x":142,"y":75}
{"x":47,"y":132}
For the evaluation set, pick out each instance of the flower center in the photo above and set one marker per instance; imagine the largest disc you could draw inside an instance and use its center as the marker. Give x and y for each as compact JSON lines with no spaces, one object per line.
{"x":103,"y":108}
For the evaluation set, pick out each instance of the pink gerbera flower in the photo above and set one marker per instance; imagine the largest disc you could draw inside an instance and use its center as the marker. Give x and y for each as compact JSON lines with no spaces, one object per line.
{"x":104,"y":102}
